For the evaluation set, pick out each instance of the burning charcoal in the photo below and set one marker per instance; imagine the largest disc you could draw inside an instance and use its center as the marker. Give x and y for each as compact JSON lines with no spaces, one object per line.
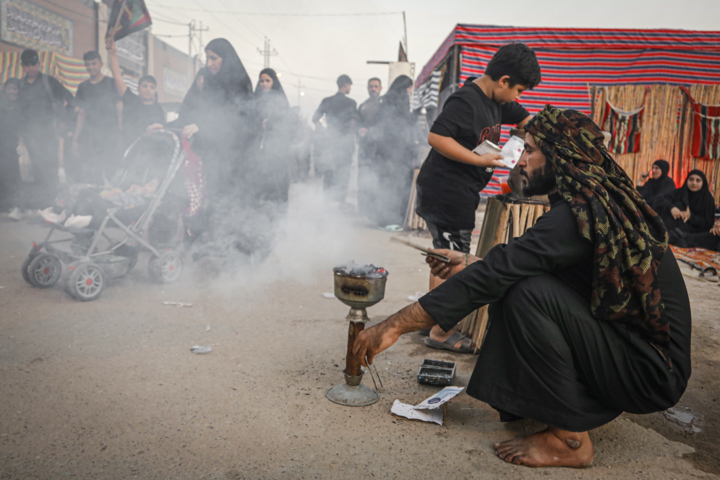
{"x":358,"y":270}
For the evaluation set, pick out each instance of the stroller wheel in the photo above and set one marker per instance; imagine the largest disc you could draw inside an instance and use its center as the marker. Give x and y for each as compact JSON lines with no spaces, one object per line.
{"x":86,"y":282}
{"x":166,"y":268}
{"x":25,"y":269}
{"x":44,"y":270}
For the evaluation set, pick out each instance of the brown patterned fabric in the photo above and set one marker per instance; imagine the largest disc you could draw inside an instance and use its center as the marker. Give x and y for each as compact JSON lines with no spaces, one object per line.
{"x":629,"y":238}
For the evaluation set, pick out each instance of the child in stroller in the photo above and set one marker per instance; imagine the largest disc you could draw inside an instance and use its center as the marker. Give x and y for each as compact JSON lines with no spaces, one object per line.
{"x":145,"y":196}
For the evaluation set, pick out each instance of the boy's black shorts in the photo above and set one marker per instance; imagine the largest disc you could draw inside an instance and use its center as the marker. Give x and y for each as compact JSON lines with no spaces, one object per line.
{"x":450,"y":238}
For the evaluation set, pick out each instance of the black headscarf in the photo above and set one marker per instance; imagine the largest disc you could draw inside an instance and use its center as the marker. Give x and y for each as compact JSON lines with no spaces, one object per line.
{"x":663,"y":166}
{"x":701,"y":203}
{"x":657,"y":186}
{"x":275,"y":85}
{"x":397,"y":95}
{"x":232,"y":81}
{"x":394,"y":116}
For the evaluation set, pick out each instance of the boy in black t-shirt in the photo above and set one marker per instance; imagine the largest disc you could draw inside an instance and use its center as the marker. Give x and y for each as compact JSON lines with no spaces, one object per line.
{"x":139,"y":112}
{"x":452,"y":176}
{"x":97,"y":130}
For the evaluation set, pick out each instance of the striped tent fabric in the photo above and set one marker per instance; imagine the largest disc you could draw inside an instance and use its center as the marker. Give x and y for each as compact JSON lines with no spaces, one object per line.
{"x":572,"y":59}
{"x":426,"y":95}
{"x":69,"y":71}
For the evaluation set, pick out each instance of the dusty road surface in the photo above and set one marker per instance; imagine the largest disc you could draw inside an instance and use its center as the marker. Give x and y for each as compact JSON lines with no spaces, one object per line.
{"x":109,"y":389}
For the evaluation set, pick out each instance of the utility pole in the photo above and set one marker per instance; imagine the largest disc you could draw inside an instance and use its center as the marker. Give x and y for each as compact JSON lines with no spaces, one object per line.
{"x":191,"y":34}
{"x":266,"y":52}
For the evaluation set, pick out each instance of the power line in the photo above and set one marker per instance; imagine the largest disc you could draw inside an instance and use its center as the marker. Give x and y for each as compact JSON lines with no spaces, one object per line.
{"x":290,"y":72}
{"x":221,"y":22}
{"x":250,"y":27}
{"x":160,"y":19}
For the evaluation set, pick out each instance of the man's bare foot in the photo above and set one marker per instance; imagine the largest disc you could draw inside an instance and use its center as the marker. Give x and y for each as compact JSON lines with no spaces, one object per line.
{"x":437,"y":334}
{"x":550,"y":448}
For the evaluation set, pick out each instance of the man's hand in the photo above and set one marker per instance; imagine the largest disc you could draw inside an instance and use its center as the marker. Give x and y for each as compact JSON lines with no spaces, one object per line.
{"x":457,"y":261}
{"x":153,"y":127}
{"x":190,"y":130}
{"x":374,"y":340}
{"x":382,"y":336}
{"x":442,"y":269}
{"x":110,"y":46}
{"x":362,"y":132}
{"x":676,"y":213}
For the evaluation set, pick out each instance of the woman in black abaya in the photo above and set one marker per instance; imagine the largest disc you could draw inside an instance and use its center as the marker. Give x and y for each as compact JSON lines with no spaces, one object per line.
{"x":658,"y":184}
{"x":387,"y":181}
{"x":689,"y":209}
{"x":221,"y":119}
{"x":276,"y":132}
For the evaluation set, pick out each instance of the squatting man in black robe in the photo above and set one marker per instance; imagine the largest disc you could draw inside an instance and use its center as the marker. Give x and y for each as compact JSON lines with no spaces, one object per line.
{"x":589,"y":314}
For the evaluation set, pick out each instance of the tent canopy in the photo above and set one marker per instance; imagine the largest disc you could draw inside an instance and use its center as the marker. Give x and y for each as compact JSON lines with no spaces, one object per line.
{"x":573,"y":59}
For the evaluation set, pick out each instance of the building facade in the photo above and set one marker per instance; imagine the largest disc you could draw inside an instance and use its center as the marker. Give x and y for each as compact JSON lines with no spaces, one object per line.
{"x":68,"y":27}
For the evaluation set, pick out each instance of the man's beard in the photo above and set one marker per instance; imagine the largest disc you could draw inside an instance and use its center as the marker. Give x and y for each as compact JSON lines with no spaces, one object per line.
{"x":541,"y":183}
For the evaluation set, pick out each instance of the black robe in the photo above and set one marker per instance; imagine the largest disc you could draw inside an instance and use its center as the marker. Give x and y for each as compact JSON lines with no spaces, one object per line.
{"x":655,"y":188}
{"x":269,"y":174}
{"x":702,"y":207}
{"x":545,"y":357}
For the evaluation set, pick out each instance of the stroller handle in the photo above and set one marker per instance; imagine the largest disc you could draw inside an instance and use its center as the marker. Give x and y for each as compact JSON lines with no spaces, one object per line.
{"x":177,"y":132}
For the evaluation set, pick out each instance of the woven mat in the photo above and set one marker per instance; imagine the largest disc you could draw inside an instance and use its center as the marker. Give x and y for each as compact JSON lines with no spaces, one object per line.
{"x":698,"y":258}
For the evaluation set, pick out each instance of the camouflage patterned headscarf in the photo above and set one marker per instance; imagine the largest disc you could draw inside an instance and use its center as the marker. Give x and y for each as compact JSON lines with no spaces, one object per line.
{"x":628,"y":237}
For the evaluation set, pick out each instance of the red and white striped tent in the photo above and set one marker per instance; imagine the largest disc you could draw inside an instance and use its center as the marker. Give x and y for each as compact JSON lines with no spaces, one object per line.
{"x":572,"y":59}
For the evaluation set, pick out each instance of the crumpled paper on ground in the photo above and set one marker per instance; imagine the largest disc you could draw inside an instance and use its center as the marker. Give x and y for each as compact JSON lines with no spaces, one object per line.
{"x":429,"y":409}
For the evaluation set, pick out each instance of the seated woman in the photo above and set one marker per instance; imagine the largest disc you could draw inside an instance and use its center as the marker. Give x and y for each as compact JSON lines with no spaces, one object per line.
{"x":658,"y":184}
{"x":689,"y":209}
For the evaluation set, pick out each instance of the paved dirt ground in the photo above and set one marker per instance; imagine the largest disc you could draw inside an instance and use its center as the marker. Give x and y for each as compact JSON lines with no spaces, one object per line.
{"x":109,"y":389}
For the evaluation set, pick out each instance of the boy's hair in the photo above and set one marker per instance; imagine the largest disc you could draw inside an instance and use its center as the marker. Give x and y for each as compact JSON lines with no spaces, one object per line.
{"x":343,"y":80}
{"x":91,"y":55}
{"x":148,"y":79}
{"x":517,"y":61}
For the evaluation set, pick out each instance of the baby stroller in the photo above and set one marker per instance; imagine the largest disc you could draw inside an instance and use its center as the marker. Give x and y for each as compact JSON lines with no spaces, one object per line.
{"x":144,"y":195}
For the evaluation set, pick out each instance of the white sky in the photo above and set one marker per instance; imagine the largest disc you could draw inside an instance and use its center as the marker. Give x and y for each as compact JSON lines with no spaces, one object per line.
{"x":320,"y":48}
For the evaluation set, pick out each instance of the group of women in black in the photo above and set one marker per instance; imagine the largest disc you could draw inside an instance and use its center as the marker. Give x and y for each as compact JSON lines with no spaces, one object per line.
{"x":243,"y":138}
{"x":688,"y":212}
